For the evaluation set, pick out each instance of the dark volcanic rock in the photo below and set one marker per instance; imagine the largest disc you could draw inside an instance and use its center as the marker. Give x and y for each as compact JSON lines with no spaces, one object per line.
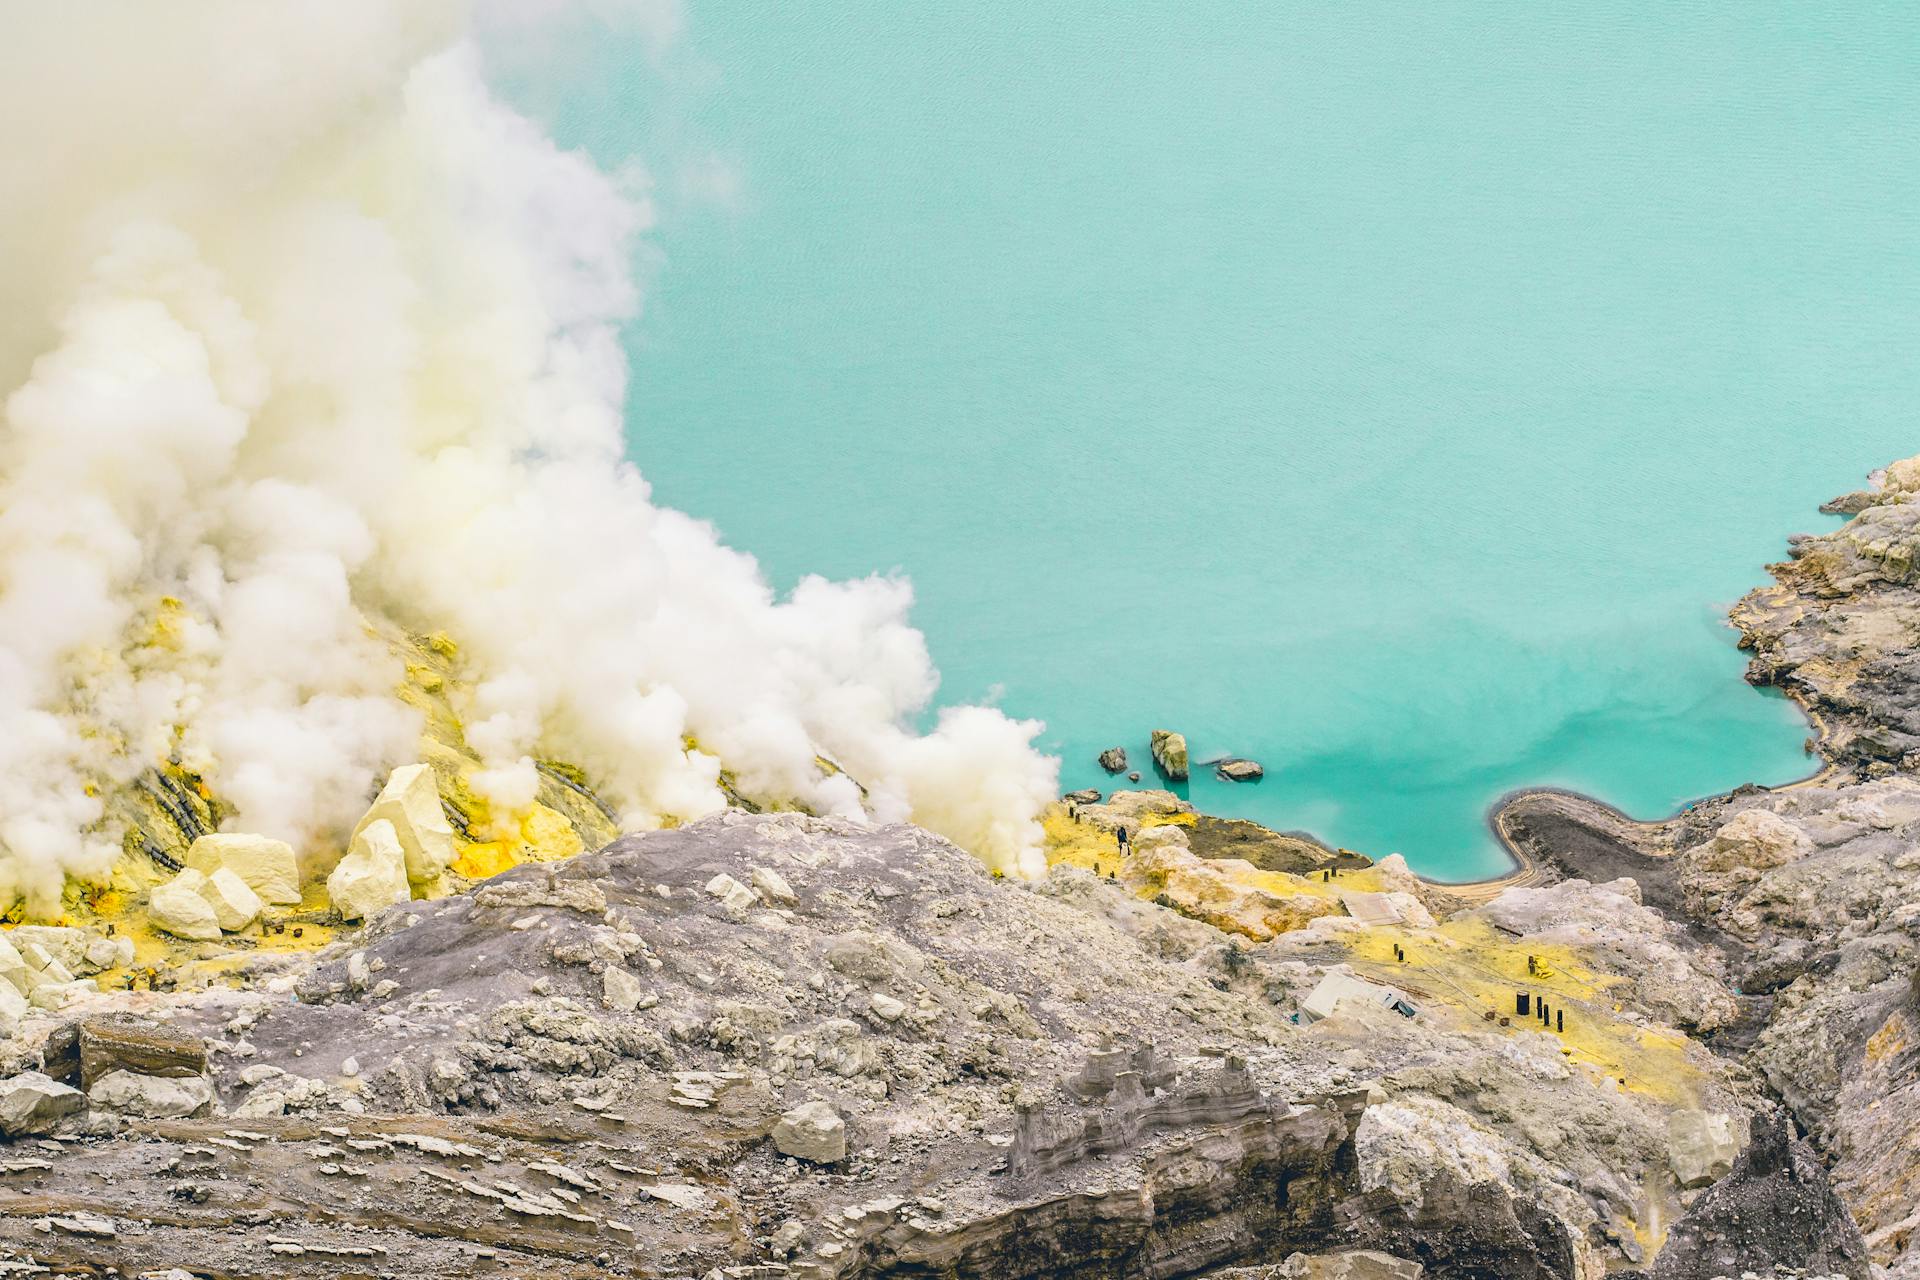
{"x":1268,"y":850}
{"x":1774,"y":1210}
{"x":1459,"y":1230}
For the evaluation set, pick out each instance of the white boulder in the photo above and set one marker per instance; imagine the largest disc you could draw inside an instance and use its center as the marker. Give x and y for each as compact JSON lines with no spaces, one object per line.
{"x":234,"y":905}
{"x":13,"y":967}
{"x":109,"y":953}
{"x":65,"y":945}
{"x":58,"y":995}
{"x":813,"y":1132}
{"x":13,"y":1007}
{"x":154,"y":1097}
{"x":1702,"y":1145}
{"x":178,"y":907}
{"x":620,"y":989}
{"x":411,"y":803}
{"x":1756,"y":839}
{"x":773,"y":887}
{"x":33,"y":1102}
{"x":373,"y":875}
{"x":733,"y":895}
{"x":268,"y":866}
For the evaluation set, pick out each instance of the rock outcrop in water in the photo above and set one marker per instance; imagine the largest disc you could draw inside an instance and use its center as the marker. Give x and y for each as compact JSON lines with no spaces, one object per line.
{"x":1170,"y":753}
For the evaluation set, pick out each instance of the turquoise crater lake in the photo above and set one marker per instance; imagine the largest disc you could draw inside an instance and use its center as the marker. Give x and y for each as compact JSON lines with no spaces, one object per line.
{"x":1397,"y":395}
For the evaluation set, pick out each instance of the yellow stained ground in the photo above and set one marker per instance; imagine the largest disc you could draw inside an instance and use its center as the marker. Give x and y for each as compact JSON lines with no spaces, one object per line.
{"x":1460,"y":970}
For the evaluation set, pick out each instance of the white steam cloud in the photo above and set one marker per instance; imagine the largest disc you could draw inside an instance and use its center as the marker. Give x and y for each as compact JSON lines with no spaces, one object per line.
{"x":301,"y":325}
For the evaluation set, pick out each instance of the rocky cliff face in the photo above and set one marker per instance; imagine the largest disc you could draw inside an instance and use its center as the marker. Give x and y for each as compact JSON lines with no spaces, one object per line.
{"x":1812,"y":892}
{"x":580,"y":1067}
{"x":769,"y":1044}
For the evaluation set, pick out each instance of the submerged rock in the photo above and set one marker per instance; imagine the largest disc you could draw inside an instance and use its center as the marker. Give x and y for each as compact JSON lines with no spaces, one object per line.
{"x":1237,"y":770}
{"x":1170,"y":753}
{"x":1114,"y":759}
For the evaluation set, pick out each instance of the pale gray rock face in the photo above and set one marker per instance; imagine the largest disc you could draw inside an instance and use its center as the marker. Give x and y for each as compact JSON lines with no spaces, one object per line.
{"x":32,"y":1102}
{"x":153,"y":1097}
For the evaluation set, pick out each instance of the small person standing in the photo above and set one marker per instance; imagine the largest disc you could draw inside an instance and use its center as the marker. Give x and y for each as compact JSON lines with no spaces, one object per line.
{"x":1122,"y":833}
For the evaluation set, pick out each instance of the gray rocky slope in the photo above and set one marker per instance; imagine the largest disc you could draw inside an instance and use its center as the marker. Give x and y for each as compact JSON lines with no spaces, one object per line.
{"x":771,"y":1045}
{"x":580,"y":1068}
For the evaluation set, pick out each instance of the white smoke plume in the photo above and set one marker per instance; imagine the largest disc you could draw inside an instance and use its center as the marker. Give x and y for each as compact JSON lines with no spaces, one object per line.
{"x":302,"y":326}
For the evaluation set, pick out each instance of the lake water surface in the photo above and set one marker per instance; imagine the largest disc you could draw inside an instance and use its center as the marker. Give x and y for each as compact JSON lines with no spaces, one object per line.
{"x":1398,"y":395}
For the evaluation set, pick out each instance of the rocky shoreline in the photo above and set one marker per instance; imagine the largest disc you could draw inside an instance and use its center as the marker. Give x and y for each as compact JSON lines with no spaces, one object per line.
{"x":769,"y":1044}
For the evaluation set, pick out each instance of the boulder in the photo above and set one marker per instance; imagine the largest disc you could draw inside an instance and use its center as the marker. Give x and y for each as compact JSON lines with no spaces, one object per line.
{"x":234,"y":905}
{"x":1089,"y":796}
{"x":1134,"y":776}
{"x":773,"y":887}
{"x":1170,"y":753}
{"x":108,"y":953}
{"x":13,"y":1007}
{"x":1702,"y":1146}
{"x":1236,"y":770}
{"x":732,"y":894}
{"x":1147,"y":837}
{"x":58,"y":995}
{"x":34,"y":1103}
{"x":620,"y":990}
{"x":13,"y":967}
{"x":1114,"y":759}
{"x":120,"y":1043}
{"x":1135,"y":810}
{"x":64,"y":946}
{"x":1756,"y":839}
{"x":152,"y":1097}
{"x":267,"y":866}
{"x":411,"y":803}
{"x":42,"y":965}
{"x":180,"y":908}
{"x":373,"y":875}
{"x":813,"y":1132}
